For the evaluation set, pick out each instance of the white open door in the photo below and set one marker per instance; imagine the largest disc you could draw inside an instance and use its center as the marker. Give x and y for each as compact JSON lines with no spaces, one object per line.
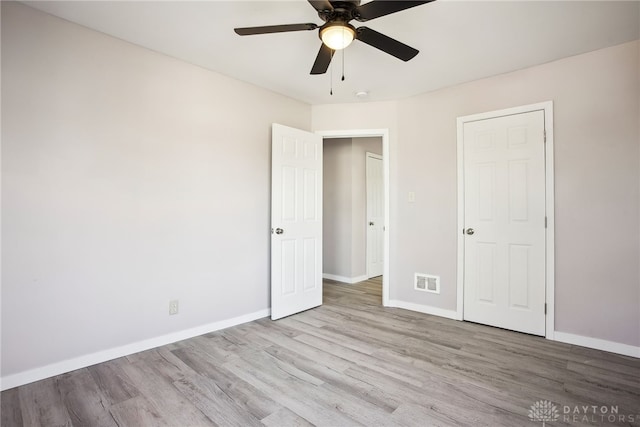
{"x":375,"y":215}
{"x":504,"y":220}
{"x":296,"y":221}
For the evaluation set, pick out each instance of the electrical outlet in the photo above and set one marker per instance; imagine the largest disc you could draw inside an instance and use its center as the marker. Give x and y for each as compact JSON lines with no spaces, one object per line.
{"x":412,"y":197}
{"x":173,"y":307}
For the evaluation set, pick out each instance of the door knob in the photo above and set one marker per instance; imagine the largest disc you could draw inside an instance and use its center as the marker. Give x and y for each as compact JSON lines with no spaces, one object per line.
{"x":470,"y":231}
{"x":371,"y":223}
{"x":279,"y":231}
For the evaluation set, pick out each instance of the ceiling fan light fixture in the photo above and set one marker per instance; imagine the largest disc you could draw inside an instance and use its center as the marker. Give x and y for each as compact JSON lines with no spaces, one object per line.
{"x":337,"y":36}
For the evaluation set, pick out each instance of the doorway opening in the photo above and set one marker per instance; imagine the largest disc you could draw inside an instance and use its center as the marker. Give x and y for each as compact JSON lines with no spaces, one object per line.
{"x":355,"y":229}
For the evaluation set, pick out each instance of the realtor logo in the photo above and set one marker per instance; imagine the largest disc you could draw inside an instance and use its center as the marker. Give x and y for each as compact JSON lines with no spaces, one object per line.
{"x":543,"y":411}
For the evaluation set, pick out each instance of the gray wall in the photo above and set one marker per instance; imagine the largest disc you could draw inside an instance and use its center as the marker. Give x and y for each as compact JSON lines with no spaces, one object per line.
{"x":129,"y":179}
{"x":336,"y":215}
{"x":597,"y":185}
{"x":345,"y":205}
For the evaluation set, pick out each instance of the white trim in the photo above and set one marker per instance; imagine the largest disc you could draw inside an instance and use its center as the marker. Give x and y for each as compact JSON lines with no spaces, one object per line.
{"x":598,"y":344}
{"x":386,"y":149}
{"x":551,"y":222}
{"x":344,"y":279}
{"x":547,"y":107}
{"x":26,"y":377}
{"x":460,"y":260}
{"x":426,"y":309}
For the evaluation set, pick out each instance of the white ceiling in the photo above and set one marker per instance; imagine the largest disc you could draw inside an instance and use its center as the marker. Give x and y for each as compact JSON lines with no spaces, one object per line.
{"x":459,"y":41}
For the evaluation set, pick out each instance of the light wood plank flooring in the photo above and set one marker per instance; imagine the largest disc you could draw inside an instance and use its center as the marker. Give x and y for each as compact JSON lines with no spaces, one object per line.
{"x":349,"y":362}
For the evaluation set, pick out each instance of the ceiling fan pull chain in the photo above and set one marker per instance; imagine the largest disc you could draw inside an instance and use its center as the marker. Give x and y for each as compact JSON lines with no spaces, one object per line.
{"x":342,"y":64}
{"x":331,"y":79}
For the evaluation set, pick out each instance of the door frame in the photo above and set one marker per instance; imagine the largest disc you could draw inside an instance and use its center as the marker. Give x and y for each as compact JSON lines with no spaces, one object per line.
{"x":547,"y":108}
{"x":366,"y":186}
{"x":384,"y":134}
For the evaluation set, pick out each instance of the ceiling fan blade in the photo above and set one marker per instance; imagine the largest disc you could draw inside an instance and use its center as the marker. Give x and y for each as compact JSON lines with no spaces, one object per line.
{"x":378,"y":8}
{"x":321,"y":5}
{"x":322,"y":60}
{"x":385,"y":43}
{"x":248,"y":31}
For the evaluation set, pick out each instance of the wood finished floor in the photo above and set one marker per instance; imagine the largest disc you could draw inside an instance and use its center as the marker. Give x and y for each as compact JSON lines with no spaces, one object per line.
{"x":348,"y":362}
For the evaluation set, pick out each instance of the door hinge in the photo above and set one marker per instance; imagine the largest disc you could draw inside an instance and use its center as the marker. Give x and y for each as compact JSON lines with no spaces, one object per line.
{"x":545,"y":222}
{"x":545,"y":136}
{"x":545,"y":308}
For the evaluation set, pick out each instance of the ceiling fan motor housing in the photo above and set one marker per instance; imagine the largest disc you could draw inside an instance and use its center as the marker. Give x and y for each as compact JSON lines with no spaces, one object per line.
{"x":343,"y":11}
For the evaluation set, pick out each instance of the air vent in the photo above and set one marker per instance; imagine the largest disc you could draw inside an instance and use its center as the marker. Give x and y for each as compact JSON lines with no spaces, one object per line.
{"x":427,"y":283}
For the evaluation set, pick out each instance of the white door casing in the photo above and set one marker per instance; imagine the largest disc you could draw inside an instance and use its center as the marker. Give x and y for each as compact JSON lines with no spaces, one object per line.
{"x":296,"y":221}
{"x":504,"y":222}
{"x":375,"y":215}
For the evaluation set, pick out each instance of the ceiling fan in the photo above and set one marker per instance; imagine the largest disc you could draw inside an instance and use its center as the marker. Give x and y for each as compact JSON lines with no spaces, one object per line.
{"x":336,"y":33}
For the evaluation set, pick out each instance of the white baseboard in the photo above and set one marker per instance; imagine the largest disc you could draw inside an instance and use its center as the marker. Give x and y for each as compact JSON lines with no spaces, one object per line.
{"x":427,"y":309}
{"x":597,"y":343}
{"x":69,"y":365}
{"x":344,"y":279}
